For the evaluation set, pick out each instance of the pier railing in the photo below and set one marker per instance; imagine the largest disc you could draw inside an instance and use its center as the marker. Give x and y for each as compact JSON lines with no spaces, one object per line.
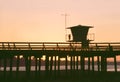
{"x":77,"y":46}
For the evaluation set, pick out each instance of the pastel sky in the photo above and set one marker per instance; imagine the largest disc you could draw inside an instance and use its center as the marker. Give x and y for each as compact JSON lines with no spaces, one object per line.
{"x":42,"y":20}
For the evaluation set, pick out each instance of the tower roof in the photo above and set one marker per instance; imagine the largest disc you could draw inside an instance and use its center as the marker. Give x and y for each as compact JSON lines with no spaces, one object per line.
{"x":80,"y":26}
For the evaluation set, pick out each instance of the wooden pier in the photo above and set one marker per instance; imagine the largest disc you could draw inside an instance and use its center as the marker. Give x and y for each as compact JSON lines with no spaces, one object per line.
{"x":72,"y":52}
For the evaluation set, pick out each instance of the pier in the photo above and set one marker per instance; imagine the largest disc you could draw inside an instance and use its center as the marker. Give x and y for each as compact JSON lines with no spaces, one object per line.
{"x":72,"y":54}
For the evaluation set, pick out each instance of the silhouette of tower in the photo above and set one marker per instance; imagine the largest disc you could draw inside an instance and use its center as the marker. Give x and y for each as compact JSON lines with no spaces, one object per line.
{"x":79,"y":34}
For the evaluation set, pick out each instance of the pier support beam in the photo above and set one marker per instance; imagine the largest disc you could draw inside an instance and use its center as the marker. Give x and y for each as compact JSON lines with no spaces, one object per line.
{"x":36,"y":64}
{"x":93,"y":63}
{"x":103,"y":64}
{"x":51,"y":64}
{"x":66,"y":65}
{"x":27,"y":65}
{"x":98,"y":63}
{"x":55,"y":63}
{"x":47,"y":65}
{"x":39,"y":65}
{"x":71,"y":66}
{"x":82,"y":63}
{"x":5,"y":65}
{"x":58,"y":65}
{"x":115,"y":64}
{"x":74,"y":63}
{"x":55,"y":66}
{"x":17,"y":69}
{"x":11,"y":63}
{"x":77,"y":63}
{"x":88,"y":63}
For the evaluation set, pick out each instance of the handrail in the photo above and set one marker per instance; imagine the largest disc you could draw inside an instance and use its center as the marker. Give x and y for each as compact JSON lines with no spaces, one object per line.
{"x":58,"y":46}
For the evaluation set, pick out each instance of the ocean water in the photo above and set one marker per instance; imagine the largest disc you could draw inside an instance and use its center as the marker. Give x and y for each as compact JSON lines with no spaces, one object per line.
{"x":109,"y":68}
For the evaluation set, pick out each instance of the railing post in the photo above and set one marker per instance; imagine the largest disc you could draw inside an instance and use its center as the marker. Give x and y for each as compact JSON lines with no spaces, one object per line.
{"x":14,"y":46}
{"x":29,"y":46}
{"x":3,"y":47}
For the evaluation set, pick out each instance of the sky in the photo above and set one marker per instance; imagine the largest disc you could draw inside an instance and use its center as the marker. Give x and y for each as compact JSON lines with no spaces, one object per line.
{"x":43,"y":20}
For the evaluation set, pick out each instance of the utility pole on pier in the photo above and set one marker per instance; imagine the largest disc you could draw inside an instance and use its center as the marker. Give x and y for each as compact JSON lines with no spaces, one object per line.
{"x":65,"y":15}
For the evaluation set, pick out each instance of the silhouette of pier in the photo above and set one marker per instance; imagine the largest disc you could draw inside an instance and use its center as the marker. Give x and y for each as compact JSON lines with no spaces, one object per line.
{"x":73,"y":52}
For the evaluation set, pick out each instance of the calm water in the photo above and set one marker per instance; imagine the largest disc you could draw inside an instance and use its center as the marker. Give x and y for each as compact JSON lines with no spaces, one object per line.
{"x":109,"y":68}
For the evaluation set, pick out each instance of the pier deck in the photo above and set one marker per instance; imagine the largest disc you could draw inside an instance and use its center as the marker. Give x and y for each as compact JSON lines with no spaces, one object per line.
{"x":59,"y":47}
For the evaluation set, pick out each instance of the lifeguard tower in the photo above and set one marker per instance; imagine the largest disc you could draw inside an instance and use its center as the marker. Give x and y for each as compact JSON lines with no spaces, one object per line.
{"x":79,"y":34}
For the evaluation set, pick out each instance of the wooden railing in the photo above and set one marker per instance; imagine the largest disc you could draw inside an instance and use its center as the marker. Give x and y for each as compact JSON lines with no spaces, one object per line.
{"x":101,"y":46}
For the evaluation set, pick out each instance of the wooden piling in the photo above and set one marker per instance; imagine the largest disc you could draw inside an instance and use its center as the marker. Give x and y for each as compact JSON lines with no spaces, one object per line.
{"x":17,"y":69}
{"x":51,"y":64}
{"x":39,"y":65}
{"x":27,"y":66}
{"x":115,"y":64}
{"x":103,"y":64}
{"x":5,"y":65}
{"x":58,"y":65}
{"x":88,"y":63}
{"x":55,"y":66}
{"x":47,"y":65}
{"x":82,"y":63}
{"x":77,"y":63}
{"x":36,"y":64}
{"x":71,"y":64}
{"x":66,"y":65}
{"x":11,"y":63}
{"x":93,"y":63}
{"x":74,"y":63}
{"x":98,"y":63}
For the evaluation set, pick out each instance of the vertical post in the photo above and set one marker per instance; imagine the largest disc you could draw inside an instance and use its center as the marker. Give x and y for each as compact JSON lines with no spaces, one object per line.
{"x":93,"y":63}
{"x":98,"y":63}
{"x":74,"y":63}
{"x":11,"y":62}
{"x":103,"y":64}
{"x":36,"y":66}
{"x":0,"y":64}
{"x":51,"y":64}
{"x":55,"y":67}
{"x":47,"y":65}
{"x":71,"y":64}
{"x":18,"y":61}
{"x":115,"y":64}
{"x":5,"y":64}
{"x":88,"y":63}
{"x":77,"y":63}
{"x":58,"y":65}
{"x":27,"y":66}
{"x":39,"y":65}
{"x":82,"y":63}
{"x":65,"y":25}
{"x":66,"y":64}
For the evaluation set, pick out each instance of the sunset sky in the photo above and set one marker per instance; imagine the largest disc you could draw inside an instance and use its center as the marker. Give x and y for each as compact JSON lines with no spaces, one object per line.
{"x":42,"y":20}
